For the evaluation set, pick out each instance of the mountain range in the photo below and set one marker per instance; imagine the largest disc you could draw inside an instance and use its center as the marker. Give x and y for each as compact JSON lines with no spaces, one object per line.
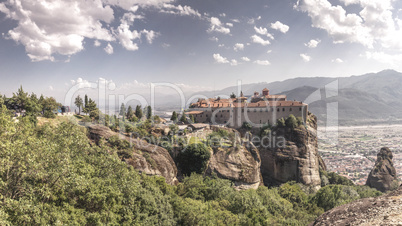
{"x":359,"y":99}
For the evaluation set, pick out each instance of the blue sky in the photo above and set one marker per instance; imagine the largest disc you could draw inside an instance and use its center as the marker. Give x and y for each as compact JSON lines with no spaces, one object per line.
{"x":50,"y":45}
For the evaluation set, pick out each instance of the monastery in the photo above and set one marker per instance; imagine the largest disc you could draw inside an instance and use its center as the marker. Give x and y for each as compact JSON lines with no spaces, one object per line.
{"x":258,"y":110}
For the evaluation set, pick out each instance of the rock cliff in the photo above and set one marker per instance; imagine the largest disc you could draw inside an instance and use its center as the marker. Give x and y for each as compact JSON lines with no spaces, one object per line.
{"x":241,"y":164}
{"x":382,"y":210}
{"x":146,"y":158}
{"x":383,"y":176}
{"x":294,"y":158}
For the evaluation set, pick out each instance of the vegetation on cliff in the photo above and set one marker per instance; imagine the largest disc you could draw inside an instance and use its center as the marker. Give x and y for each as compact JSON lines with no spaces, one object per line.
{"x":54,"y":174}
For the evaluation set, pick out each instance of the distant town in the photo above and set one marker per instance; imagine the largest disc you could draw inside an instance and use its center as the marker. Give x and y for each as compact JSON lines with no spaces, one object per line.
{"x":354,"y":153}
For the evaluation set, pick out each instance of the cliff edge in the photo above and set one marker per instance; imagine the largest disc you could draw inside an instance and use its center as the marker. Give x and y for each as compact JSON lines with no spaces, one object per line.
{"x":382,"y":210}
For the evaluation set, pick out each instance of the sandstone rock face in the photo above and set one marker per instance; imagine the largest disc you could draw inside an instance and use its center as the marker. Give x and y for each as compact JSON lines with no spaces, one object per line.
{"x":240,"y":164}
{"x":147,"y":158}
{"x":382,"y":210}
{"x":153,"y":160}
{"x":383,"y":176}
{"x":296,"y":158}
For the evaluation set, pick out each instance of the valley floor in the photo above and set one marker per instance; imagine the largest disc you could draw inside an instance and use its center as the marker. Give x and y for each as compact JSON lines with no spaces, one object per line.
{"x":352,"y":150}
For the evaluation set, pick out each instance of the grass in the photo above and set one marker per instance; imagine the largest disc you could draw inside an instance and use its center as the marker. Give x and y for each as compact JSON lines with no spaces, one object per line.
{"x":56,"y":121}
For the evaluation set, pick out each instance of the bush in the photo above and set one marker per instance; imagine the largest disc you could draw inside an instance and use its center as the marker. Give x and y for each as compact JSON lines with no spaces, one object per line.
{"x":247,"y":126}
{"x":291,"y":122}
{"x":49,"y":114}
{"x":194,"y":158}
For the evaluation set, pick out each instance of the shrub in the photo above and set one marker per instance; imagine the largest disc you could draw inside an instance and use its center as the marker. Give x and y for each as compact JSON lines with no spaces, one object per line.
{"x":194,"y":158}
{"x":291,"y":122}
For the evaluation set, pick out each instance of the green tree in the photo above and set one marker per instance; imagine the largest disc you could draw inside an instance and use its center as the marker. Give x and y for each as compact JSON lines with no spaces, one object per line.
{"x":130,"y":113}
{"x":194,"y":158}
{"x":149,"y":112}
{"x":20,"y":100}
{"x":192,"y":119}
{"x":291,"y":121}
{"x":91,"y":106}
{"x":247,"y":126}
{"x":174,"y":117}
{"x":86,"y":109}
{"x":123,"y":111}
{"x":232,"y":95}
{"x":50,"y":105}
{"x":138,"y":112}
{"x":79,"y":103}
{"x":281,"y":122}
{"x":183,"y":117}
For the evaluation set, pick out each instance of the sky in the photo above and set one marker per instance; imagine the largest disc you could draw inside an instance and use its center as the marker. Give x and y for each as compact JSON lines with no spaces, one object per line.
{"x":51,"y":46}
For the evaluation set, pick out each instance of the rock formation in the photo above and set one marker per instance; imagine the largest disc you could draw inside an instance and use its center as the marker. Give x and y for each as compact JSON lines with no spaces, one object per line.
{"x":382,"y":210}
{"x":241,"y":164}
{"x":147,"y":158}
{"x":296,"y":158}
{"x":383,"y":176}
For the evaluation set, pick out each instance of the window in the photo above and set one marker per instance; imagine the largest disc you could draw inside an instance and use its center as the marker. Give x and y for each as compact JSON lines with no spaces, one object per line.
{"x":255,"y":110}
{"x":221,"y":116}
{"x":266,"y":110}
{"x":248,"y":110}
{"x":277,"y":109}
{"x":283,"y":109}
{"x":261,"y":110}
{"x":228,"y":110}
{"x":290,"y":109}
{"x":242,"y":110}
{"x":299,"y":109}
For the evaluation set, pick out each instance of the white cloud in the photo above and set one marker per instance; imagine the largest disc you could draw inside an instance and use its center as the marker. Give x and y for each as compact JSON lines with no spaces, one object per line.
{"x":238,"y":46}
{"x":263,"y":31}
{"x":165,"y":45}
{"x":229,"y":24}
{"x":150,"y":35}
{"x":222,"y":15}
{"x":246,"y":59}
{"x":217,"y":26}
{"x":385,"y":58}
{"x":305,"y":57}
{"x":132,"y":5}
{"x":343,"y":27}
{"x":262,"y":62}
{"x":215,"y":39}
{"x":109,"y":49}
{"x":97,"y":43}
{"x":337,"y":60}
{"x":280,"y":27}
{"x":126,"y":37}
{"x":259,"y":40}
{"x":223,"y":60}
{"x":253,"y":20}
{"x":51,"y":88}
{"x":220,"y":59}
{"x":312,"y":43}
{"x":180,"y":10}
{"x":43,"y":34}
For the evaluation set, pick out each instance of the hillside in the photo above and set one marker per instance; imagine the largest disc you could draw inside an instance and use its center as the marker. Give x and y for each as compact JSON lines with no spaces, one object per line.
{"x":368,"y":98}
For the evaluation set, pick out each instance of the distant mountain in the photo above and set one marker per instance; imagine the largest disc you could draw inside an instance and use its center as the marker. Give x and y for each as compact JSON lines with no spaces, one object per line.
{"x":365,"y":98}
